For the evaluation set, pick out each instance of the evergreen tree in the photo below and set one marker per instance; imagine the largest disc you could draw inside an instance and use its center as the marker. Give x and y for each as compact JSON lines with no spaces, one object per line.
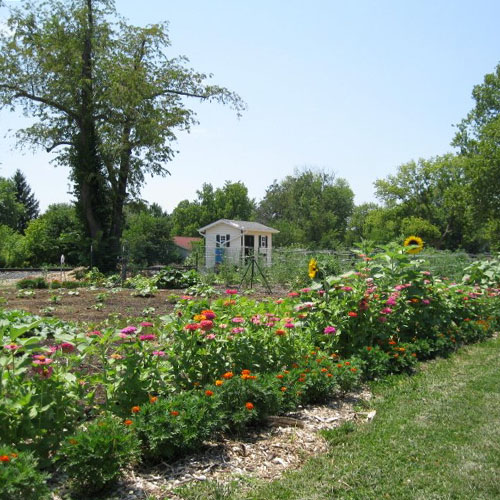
{"x":26,"y":198}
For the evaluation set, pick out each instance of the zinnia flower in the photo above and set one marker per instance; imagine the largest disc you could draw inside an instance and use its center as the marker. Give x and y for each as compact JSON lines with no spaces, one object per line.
{"x":158,"y":353}
{"x":352,"y":314}
{"x":136,"y":409}
{"x":228,"y":375}
{"x":128,"y":329}
{"x":11,"y":347}
{"x":67,"y":347}
{"x":238,"y":329}
{"x":128,"y":422}
{"x":238,"y":319}
{"x":231,"y":291}
{"x":249,"y":406}
{"x":95,"y":333}
{"x":147,"y":337}
{"x":146,"y":323}
{"x":329,"y":330}
{"x":206,"y":324}
{"x":209,"y":314}
{"x":209,"y":393}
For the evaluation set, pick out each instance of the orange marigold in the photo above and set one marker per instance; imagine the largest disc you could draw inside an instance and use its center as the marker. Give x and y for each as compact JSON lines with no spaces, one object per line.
{"x":153,"y":399}
{"x":128,"y":422}
{"x":283,"y":389}
{"x":228,"y":375}
{"x":279,"y":376}
{"x":4,"y":458}
{"x":249,"y":406}
{"x":174,"y":413}
{"x":218,"y":383}
{"x":324,"y":370}
{"x":354,"y":370}
{"x":136,"y":409}
{"x":245,"y":372}
{"x":209,"y":393}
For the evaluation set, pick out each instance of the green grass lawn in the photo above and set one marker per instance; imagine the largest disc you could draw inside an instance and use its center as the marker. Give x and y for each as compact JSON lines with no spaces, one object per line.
{"x":436,"y":435}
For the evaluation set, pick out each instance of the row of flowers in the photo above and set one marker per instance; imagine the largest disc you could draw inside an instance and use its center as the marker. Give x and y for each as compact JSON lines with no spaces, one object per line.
{"x":224,"y":364}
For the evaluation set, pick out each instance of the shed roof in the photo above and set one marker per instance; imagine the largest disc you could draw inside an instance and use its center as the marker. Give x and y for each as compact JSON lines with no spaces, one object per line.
{"x":185,"y":242}
{"x":242,"y":225}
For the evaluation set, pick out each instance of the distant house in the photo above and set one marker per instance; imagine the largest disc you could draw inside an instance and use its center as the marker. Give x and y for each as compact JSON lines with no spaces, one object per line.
{"x":234,"y":240}
{"x":184,"y":245}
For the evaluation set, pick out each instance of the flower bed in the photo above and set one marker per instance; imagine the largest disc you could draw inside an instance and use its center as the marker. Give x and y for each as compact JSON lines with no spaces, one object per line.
{"x":158,"y":390}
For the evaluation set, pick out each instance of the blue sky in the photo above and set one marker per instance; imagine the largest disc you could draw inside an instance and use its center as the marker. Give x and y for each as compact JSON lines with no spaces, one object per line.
{"x":355,"y":88}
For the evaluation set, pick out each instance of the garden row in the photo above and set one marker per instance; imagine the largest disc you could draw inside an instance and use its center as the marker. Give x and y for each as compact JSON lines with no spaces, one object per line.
{"x":89,"y":402}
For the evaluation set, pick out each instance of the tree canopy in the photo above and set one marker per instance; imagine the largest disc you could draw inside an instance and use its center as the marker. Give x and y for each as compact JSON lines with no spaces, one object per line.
{"x":106,"y":99}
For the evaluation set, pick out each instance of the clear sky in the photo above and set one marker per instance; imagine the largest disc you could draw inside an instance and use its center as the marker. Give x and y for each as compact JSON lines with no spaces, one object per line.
{"x":355,"y":88}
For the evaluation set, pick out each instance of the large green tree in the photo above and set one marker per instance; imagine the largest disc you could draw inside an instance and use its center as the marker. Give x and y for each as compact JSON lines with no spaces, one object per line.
{"x":11,"y":210}
{"x":26,"y":197}
{"x":309,"y":208}
{"x":230,"y":201}
{"x":478,"y":139}
{"x":106,"y":100}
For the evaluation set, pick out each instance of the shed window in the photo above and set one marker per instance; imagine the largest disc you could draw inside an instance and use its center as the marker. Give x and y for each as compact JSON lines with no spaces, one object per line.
{"x":263,"y":241}
{"x":222,"y":240}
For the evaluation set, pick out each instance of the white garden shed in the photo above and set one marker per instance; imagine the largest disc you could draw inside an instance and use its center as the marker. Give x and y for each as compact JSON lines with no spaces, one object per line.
{"x":235,"y":240}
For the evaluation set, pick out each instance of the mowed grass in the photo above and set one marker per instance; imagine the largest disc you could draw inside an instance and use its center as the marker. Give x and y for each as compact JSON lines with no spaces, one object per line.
{"x":436,"y":435}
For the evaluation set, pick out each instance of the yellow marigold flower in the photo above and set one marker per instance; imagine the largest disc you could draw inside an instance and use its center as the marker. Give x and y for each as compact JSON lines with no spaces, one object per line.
{"x":313,"y":268}
{"x":218,"y":382}
{"x":414,"y":244}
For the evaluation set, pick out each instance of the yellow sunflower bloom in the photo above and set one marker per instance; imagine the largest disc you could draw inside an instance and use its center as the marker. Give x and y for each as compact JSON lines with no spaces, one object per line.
{"x":313,"y":268}
{"x":414,"y":244}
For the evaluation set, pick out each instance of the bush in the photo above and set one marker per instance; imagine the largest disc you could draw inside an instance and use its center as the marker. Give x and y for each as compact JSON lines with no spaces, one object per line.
{"x":19,"y":476}
{"x":94,"y":457}
{"x":32,"y":283}
{"x":169,"y":428}
{"x":170,"y":278}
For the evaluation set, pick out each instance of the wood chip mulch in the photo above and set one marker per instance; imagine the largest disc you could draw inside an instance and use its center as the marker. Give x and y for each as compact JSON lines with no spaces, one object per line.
{"x":285,"y":444}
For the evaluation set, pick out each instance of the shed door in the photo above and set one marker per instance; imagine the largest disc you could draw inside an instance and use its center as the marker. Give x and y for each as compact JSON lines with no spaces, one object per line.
{"x":249,"y":244}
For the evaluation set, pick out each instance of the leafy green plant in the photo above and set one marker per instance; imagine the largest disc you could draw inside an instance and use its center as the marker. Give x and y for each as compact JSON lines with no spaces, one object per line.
{"x":169,"y":428}
{"x":32,"y":283}
{"x":171,"y":278}
{"x":20,"y":477}
{"x":95,"y":456}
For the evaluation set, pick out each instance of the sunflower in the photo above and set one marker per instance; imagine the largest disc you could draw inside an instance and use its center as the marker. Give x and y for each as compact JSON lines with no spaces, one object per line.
{"x":313,"y":268}
{"x":414,"y":244}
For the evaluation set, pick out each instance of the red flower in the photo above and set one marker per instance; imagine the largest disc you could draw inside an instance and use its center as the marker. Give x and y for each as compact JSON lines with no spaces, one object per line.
{"x":249,"y":406}
{"x":128,"y":422}
{"x":136,"y":409}
{"x":4,"y":458}
{"x":209,"y":393}
{"x":174,"y":413}
{"x":352,"y":314}
{"x":153,"y":399}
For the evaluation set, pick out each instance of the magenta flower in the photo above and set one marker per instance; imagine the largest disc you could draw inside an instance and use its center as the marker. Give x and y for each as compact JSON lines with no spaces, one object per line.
{"x":426,"y":302}
{"x":192,"y":326}
{"x":289,"y":325}
{"x":321,"y":292}
{"x":210,"y":336}
{"x":382,"y":319}
{"x":238,"y":329}
{"x":329,"y":330}
{"x":67,"y":347}
{"x":305,"y":290}
{"x":95,"y":333}
{"x":206,"y":324}
{"x":391,"y":301}
{"x":231,"y":291}
{"x":347,"y":288}
{"x":146,"y":323}
{"x":293,"y":294}
{"x":159,"y":353}
{"x":43,"y":371}
{"x":238,"y":319}
{"x":11,"y":347}
{"x":128,"y":329}
{"x":256,"y":319}
{"x":42,"y":360}
{"x":278,"y":301}
{"x":147,"y":337}
{"x":386,"y":310}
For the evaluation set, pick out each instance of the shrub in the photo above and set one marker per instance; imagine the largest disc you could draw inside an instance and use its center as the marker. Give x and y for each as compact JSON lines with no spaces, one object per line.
{"x":19,"y":476}
{"x":94,"y":457}
{"x":169,"y":428}
{"x":170,"y":278}
{"x":32,"y":283}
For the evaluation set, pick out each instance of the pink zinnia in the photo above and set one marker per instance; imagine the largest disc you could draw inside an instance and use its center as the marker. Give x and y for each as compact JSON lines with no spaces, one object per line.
{"x":256,"y":320}
{"x":192,"y":326}
{"x":44,"y":372}
{"x":426,"y":301}
{"x":43,"y":361}
{"x":386,"y":310}
{"x":293,"y":294}
{"x":95,"y":333}
{"x":238,"y":319}
{"x":206,"y":324}
{"x":231,"y":291}
{"x":278,"y":301}
{"x":159,"y":353}
{"x":11,"y":347}
{"x":289,"y":325}
{"x":67,"y":347}
{"x":391,"y":301}
{"x":146,"y":323}
{"x":129,"y":329}
{"x":305,"y":290}
{"x":210,"y":336}
{"x":238,"y":329}
{"x":149,"y":336}
{"x":329,"y":330}
{"x":347,"y":288}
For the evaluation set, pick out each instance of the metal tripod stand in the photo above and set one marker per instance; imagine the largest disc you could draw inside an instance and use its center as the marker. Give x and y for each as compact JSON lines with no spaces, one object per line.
{"x":251,"y":265}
